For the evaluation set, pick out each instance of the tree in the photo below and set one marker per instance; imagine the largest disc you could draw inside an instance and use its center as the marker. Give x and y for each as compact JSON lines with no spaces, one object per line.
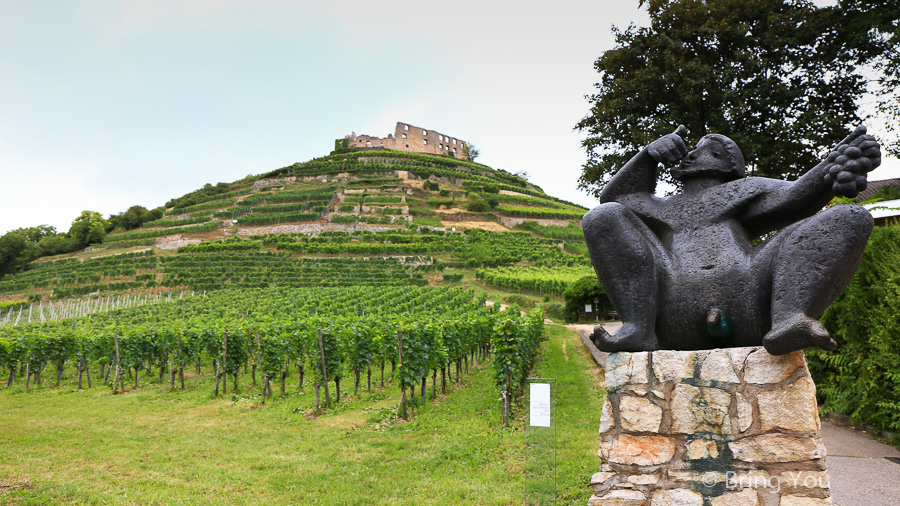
{"x":11,"y":246}
{"x":584,"y":291}
{"x":133,"y":218}
{"x":780,"y":77}
{"x":89,"y":228}
{"x":471,"y":151}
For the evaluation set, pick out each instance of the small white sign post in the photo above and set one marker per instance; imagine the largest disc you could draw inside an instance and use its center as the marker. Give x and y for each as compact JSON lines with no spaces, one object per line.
{"x":540,"y":404}
{"x":540,"y":443}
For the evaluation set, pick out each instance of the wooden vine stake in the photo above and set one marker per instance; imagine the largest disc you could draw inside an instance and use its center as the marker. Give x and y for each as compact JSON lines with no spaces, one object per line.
{"x":403,"y":413}
{"x":180,"y":362}
{"x":506,"y":395}
{"x":224,"y":365}
{"x":324,"y":370}
{"x":118,"y":377}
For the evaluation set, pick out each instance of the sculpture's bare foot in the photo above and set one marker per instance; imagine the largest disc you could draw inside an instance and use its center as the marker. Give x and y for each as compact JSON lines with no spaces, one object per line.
{"x":798,"y":333}
{"x":627,"y":338}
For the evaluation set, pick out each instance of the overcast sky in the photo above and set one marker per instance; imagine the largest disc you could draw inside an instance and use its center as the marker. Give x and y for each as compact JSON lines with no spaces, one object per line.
{"x":108,"y":104}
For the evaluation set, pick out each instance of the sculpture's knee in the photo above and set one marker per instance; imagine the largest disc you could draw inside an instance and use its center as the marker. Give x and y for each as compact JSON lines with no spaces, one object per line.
{"x":605,"y":220}
{"x":854,"y":216}
{"x":850,"y":221}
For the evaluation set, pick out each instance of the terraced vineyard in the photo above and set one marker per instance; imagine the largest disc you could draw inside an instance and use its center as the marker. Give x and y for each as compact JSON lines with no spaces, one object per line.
{"x":348,"y":220}
{"x":360,"y":276}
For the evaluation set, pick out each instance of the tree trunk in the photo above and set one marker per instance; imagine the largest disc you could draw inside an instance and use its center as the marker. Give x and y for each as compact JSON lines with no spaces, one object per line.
{"x":443,"y":380}
{"x":356,"y":383}
{"x":80,"y":372}
{"x":337,"y":387}
{"x":301,"y":372}
{"x":12,"y":376}
{"x":87,"y":371}
{"x":369,"y":379}
{"x":382,"y":374}
{"x":137,"y":376}
{"x":283,"y":380}
{"x":434,"y":384}
{"x":424,"y":388}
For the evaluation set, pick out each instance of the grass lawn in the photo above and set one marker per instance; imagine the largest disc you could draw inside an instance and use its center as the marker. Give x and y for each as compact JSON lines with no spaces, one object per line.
{"x":150,"y":446}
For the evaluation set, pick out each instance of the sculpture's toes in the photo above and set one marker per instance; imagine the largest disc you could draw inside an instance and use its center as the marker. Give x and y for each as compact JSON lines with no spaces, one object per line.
{"x":798,"y":333}
{"x":627,"y":338}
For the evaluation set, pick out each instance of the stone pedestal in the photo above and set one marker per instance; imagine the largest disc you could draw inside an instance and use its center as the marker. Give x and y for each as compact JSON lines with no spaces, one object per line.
{"x":726,"y":427}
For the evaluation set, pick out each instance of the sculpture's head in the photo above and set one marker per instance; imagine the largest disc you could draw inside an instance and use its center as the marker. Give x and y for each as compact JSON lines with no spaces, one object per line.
{"x":715,"y":155}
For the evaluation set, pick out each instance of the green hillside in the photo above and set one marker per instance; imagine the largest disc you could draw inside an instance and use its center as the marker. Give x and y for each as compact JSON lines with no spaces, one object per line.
{"x":357,"y":218}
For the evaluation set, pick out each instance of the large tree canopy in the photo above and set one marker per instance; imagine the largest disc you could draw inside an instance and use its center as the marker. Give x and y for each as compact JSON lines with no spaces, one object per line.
{"x":780,"y":77}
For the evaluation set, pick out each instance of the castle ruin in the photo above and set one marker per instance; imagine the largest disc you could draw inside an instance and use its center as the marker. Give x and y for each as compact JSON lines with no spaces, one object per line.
{"x":409,"y":138}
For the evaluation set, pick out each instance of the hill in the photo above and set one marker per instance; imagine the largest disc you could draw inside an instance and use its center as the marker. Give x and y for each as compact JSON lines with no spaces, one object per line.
{"x":372,"y":218}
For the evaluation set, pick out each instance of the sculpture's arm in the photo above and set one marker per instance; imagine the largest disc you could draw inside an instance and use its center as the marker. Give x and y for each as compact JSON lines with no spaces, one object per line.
{"x":841,"y":174}
{"x":639,"y":174}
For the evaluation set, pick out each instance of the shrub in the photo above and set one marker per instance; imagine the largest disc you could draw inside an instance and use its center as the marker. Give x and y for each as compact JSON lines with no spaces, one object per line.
{"x":862,"y":377}
{"x":582,"y":292}
{"x":555,"y":311}
{"x":476,"y":204}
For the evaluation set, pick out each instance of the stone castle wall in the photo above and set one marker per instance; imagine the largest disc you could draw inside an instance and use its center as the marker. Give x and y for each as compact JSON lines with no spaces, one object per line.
{"x":726,"y":427}
{"x":413,"y":139}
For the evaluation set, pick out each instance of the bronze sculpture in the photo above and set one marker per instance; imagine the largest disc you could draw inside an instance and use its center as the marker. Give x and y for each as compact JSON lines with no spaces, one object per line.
{"x":683,"y":271}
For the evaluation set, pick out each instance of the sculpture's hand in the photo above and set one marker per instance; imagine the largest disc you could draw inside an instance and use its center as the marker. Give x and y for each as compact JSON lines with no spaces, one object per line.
{"x":669,"y":148}
{"x":850,"y":161}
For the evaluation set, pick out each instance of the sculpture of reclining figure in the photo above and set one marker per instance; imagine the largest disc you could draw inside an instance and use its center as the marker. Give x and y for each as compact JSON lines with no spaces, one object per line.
{"x":683,"y":271}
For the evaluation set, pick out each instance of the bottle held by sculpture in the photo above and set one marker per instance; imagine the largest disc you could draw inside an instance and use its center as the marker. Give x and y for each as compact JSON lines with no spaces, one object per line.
{"x":683,"y":271}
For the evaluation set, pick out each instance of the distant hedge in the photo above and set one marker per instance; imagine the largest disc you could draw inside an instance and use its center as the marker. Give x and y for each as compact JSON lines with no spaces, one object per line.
{"x":862,"y":377}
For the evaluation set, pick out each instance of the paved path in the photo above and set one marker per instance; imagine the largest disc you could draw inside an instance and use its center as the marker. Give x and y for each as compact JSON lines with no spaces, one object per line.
{"x":859,"y":471}
{"x":858,"y":468}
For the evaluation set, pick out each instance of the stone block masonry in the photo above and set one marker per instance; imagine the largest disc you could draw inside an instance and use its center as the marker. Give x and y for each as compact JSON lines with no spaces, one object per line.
{"x":413,"y":139}
{"x":724,"y":427}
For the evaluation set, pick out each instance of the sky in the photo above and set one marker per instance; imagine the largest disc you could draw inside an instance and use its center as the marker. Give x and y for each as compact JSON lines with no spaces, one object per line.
{"x":107,"y":104}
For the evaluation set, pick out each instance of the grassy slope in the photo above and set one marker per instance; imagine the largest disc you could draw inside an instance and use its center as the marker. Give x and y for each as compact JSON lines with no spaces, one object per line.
{"x":60,"y":446}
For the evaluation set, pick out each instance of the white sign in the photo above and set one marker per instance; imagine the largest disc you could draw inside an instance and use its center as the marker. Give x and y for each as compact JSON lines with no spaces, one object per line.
{"x":587,"y":308}
{"x":540,"y":404}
